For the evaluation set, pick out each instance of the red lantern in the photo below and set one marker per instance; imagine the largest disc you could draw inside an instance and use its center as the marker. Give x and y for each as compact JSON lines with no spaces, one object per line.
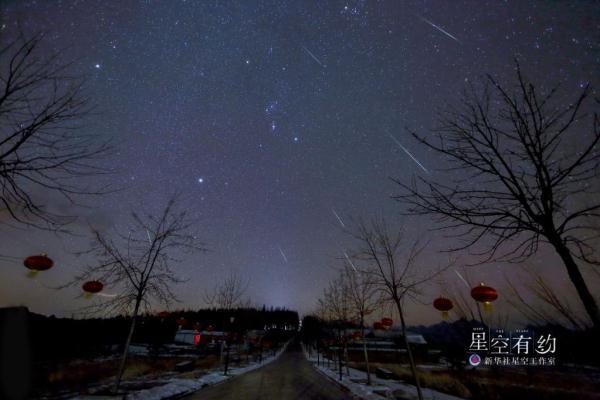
{"x":387,"y":322}
{"x":92,"y":287}
{"x":37,"y":263}
{"x":444,"y":305}
{"x":377,"y":325}
{"x":164,"y":314}
{"x":484,"y":294}
{"x":181,"y":322}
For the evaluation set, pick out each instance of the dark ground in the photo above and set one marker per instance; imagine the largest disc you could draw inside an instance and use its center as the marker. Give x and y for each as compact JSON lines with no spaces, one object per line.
{"x":289,"y":377}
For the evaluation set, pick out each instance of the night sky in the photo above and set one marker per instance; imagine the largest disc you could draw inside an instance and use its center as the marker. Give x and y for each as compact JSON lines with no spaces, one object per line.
{"x":272,"y":117}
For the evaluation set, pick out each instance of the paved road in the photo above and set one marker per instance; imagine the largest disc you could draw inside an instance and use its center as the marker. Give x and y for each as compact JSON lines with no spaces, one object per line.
{"x":289,"y":377}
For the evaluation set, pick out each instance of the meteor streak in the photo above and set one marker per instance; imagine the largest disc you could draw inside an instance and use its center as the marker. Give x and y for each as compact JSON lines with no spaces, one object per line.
{"x":313,"y":56}
{"x":409,"y":154}
{"x":283,"y":255}
{"x":338,"y":217}
{"x":350,"y":261}
{"x":462,"y":279}
{"x":439,"y":28}
{"x":106,"y":295}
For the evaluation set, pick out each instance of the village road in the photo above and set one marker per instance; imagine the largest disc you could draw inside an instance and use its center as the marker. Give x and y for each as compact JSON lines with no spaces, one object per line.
{"x":289,"y":377}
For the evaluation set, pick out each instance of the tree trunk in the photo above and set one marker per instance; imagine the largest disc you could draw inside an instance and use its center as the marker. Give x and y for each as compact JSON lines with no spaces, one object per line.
{"x":366,"y":359}
{"x":227,"y":359}
{"x":346,"y":358}
{"x":578,"y":281}
{"x":413,"y":366}
{"x":366,"y":354}
{"x":339,"y":355}
{"x":318,"y":355}
{"x":127,"y":343}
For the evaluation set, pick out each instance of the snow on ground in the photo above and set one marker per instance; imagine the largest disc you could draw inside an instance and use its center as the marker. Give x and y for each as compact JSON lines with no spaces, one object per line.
{"x":379,"y":387}
{"x":176,"y":387}
{"x":179,"y":387}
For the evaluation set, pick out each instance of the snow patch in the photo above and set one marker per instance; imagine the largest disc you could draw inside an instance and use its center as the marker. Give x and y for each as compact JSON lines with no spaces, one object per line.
{"x":179,"y":387}
{"x":379,"y":387}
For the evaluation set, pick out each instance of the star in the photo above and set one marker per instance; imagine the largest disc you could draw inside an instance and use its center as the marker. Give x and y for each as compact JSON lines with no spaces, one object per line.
{"x":271,"y":107}
{"x":177,"y":101}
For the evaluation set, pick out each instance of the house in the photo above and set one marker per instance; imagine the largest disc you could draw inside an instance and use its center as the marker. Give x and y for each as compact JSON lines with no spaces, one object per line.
{"x":395,"y":334}
{"x":199,"y":338}
{"x":188,"y":336}
{"x":212,"y":338}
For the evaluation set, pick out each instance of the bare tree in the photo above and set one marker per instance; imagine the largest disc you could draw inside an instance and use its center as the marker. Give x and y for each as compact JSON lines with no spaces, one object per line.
{"x":335,"y":302}
{"x":364,"y":297}
{"x":229,"y":293}
{"x":140,"y":263}
{"x":42,"y":147}
{"x":532,"y":166}
{"x":551,"y":308}
{"x":336,"y":306}
{"x":321,"y":311}
{"x":394,"y":268}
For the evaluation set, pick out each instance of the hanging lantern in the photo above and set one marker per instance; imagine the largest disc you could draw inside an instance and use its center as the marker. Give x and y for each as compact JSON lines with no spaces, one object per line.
{"x":378,"y":326}
{"x":92,"y":287}
{"x":181,"y":322}
{"x":444,"y":305}
{"x":484,"y":294}
{"x":387,"y":323}
{"x":36,"y":264}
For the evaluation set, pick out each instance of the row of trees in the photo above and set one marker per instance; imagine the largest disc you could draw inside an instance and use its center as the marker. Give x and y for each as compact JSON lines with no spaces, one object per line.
{"x":522,"y":176}
{"x":383,"y":269}
{"x":44,"y":152}
{"x":55,"y":340}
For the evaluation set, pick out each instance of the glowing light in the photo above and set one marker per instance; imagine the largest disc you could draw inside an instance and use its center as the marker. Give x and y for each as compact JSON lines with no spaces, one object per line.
{"x":439,"y":29}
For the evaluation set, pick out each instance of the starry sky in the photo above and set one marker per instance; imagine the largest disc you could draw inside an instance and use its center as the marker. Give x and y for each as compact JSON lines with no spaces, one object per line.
{"x":273,"y":117}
